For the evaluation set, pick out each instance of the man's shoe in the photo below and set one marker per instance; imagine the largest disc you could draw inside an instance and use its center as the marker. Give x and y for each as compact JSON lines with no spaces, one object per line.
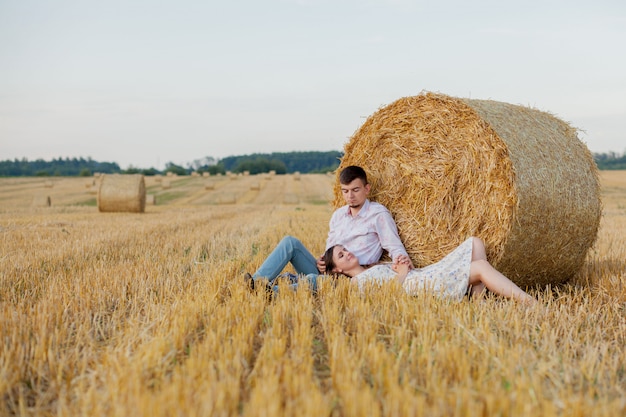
{"x":249,"y":281}
{"x":269,"y":291}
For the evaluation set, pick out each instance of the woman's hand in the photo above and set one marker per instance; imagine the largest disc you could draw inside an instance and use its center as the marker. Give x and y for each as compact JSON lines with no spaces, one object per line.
{"x":401,"y":268}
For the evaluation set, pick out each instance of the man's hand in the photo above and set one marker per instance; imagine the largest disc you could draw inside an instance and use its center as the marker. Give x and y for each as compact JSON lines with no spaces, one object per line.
{"x":321,"y":265}
{"x":403,"y":259}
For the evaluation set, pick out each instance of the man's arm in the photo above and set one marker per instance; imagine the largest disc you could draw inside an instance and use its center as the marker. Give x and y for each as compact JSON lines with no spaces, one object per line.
{"x":332,"y":231}
{"x":389,"y":237}
{"x":330,"y":241}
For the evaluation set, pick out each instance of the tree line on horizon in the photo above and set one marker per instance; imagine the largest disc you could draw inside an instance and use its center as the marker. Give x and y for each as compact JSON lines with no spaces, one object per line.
{"x":279,"y":162}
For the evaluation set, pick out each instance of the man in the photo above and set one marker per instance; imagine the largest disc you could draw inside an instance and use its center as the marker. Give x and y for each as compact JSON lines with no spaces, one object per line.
{"x":365,"y":227}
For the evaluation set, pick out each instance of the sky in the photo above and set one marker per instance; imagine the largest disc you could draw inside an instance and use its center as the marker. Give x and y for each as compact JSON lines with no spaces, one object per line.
{"x":147,"y":82}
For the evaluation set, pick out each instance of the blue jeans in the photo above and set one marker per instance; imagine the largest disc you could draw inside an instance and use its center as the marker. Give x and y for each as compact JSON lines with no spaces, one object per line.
{"x":295,"y":279}
{"x":289,"y":250}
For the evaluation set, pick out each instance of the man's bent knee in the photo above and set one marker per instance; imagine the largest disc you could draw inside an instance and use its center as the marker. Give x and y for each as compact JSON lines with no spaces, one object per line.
{"x":290,"y":241}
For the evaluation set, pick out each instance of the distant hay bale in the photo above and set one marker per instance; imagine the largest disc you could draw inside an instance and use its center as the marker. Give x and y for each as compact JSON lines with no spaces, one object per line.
{"x":93,"y":189}
{"x":209,"y":185}
{"x":290,"y":198}
{"x":296,"y":176}
{"x":48,"y":184}
{"x":255,"y":186}
{"x":158,"y":178}
{"x":272,"y":172}
{"x":90,"y":183}
{"x":268,"y":177}
{"x":449,"y":168}
{"x":246,"y":173}
{"x":122,"y":193}
{"x":195,"y":174}
{"x":227,"y":199}
{"x":206,"y":174}
{"x":151,"y":199}
{"x":166,"y":184}
{"x":41,"y":200}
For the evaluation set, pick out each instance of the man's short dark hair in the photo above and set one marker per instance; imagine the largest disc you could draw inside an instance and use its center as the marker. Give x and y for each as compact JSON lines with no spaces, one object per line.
{"x":352,"y":172}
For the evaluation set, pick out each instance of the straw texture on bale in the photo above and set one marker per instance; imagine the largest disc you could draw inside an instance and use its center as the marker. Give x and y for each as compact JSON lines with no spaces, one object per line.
{"x":516,"y":177}
{"x":122,"y":193}
{"x":151,"y":199}
{"x":209,"y":185}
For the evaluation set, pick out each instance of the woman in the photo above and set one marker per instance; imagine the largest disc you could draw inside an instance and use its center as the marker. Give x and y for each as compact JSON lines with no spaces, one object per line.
{"x":465,"y":268}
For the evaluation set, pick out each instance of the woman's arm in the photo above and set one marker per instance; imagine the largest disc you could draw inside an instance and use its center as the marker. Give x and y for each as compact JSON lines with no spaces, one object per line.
{"x":402,"y":269}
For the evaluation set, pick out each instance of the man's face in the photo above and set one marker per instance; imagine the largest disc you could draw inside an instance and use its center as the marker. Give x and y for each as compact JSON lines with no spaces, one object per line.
{"x":355,"y":193}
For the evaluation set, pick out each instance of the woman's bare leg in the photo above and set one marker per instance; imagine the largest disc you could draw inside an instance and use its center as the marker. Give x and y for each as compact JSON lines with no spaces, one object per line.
{"x":482,"y":275}
{"x":478,"y":290}
{"x":478,"y":253}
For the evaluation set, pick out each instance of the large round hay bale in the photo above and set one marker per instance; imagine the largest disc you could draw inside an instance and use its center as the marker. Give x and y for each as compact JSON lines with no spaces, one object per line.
{"x":229,"y":198}
{"x":151,"y":199}
{"x":518,"y":178}
{"x":122,"y":193}
{"x":290,"y":198}
{"x":41,"y":200}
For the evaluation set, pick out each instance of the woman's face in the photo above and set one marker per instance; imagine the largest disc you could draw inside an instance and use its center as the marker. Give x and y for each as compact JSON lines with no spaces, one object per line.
{"x":343,"y":259}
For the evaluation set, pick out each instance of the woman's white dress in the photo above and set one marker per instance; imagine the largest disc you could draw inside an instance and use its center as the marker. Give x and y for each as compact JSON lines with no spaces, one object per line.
{"x":448,"y":278}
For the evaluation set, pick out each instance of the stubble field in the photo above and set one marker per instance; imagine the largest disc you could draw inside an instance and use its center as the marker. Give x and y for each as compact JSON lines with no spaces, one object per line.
{"x":122,"y":314}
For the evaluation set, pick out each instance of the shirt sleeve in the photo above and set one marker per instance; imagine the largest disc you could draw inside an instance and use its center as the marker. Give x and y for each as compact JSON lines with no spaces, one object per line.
{"x":332,"y":231}
{"x":388,"y":234}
